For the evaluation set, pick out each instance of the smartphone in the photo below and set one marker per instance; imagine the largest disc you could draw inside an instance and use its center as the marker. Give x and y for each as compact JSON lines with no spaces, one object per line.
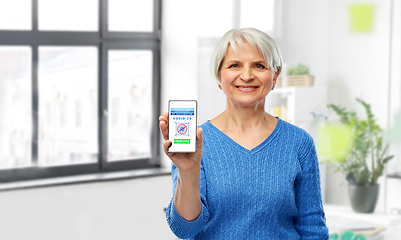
{"x":182,"y":124}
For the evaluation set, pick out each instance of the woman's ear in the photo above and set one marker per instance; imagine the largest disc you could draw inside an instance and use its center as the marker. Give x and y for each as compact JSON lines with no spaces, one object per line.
{"x":275,"y":77}
{"x":277,"y":73}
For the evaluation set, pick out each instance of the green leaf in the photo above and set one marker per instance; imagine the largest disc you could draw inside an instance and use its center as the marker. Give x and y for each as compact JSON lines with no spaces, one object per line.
{"x":367,"y":149}
{"x":385,"y":160}
{"x":300,"y":69}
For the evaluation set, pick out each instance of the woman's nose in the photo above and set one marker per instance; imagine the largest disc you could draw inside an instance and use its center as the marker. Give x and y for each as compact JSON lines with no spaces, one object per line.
{"x":247,"y":74}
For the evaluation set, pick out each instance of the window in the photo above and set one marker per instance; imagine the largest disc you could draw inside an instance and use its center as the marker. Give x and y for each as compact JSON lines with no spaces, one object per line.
{"x":55,"y":15}
{"x":16,"y":15}
{"x":63,"y":138}
{"x":130,"y":98}
{"x":79,"y":87}
{"x":15,"y":106}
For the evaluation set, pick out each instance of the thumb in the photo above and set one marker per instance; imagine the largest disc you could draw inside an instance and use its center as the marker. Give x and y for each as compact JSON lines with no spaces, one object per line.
{"x":199,"y":137}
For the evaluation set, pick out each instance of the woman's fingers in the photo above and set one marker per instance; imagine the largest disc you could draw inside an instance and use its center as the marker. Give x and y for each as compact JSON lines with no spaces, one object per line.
{"x":164,"y":118}
{"x":164,"y":125}
{"x":164,"y":130}
{"x":166,"y":145}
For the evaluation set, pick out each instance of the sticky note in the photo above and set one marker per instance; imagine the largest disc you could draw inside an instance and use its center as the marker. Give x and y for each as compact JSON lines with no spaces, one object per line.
{"x":361,"y":16}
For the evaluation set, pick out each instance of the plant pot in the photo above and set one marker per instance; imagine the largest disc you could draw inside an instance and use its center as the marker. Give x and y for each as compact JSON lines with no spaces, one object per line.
{"x":363,"y":198}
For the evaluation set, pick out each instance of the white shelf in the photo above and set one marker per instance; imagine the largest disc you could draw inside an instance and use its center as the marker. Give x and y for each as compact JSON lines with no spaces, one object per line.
{"x":343,"y":212}
{"x":299,"y":102}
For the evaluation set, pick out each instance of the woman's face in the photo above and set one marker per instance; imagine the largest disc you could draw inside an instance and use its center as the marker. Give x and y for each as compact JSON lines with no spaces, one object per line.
{"x":245,"y":77}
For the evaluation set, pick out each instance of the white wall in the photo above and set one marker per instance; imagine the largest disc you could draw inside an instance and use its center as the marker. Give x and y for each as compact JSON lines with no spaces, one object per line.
{"x":304,"y":37}
{"x":125,"y":209}
{"x":395,"y":87}
{"x":359,"y":62}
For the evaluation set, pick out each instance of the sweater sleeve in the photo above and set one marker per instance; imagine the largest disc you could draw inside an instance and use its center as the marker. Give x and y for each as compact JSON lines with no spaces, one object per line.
{"x":178,"y":225}
{"x":310,"y":222}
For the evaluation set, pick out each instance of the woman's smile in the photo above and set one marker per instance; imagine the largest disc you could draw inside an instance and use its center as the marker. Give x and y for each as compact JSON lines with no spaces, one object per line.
{"x":246,"y":88}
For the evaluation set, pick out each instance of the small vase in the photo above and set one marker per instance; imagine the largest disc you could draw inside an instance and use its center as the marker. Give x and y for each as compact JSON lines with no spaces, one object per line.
{"x":363,"y":198}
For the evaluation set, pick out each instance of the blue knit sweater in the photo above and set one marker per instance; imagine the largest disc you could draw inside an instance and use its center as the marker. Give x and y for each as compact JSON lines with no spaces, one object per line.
{"x":269,"y":192}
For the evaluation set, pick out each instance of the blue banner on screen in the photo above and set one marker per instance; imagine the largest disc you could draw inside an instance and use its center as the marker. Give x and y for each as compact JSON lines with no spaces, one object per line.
{"x":182,"y":111}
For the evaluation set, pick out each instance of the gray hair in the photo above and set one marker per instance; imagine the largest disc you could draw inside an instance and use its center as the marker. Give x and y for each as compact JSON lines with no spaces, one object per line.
{"x":259,"y":40}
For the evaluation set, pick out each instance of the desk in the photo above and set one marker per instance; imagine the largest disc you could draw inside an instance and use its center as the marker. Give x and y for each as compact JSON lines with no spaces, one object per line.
{"x":343,"y":214}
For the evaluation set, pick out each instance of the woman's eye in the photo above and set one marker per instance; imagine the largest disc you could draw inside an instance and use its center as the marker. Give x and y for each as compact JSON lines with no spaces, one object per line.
{"x":259,"y":66}
{"x":233,"y":65}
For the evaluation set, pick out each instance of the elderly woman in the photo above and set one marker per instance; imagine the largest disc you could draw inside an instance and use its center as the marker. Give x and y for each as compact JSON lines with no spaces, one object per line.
{"x":253,"y":176}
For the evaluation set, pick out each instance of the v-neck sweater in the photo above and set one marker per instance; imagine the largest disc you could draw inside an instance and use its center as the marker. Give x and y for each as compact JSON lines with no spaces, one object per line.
{"x":269,"y":192}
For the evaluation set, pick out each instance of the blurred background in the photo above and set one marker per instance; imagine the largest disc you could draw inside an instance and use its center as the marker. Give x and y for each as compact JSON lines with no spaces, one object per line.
{"x":82,"y":84}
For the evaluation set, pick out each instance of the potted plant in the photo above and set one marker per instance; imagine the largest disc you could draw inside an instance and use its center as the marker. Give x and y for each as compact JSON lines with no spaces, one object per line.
{"x":365,"y":159}
{"x":297,"y":76}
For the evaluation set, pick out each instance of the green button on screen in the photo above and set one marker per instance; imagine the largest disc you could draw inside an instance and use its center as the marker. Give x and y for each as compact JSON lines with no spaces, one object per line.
{"x":182,"y":141}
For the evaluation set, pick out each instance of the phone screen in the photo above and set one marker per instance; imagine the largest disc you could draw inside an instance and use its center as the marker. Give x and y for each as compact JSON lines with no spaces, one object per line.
{"x":182,"y":124}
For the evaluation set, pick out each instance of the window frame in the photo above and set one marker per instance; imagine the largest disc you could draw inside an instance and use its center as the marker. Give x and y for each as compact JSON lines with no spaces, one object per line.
{"x":104,"y":41}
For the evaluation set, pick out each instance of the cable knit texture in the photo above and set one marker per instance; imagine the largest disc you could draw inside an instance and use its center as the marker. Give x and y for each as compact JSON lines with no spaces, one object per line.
{"x":269,"y":192}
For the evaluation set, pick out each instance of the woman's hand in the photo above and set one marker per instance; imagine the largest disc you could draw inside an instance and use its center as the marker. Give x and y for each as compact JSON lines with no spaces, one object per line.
{"x":187,"y":194}
{"x":185,"y":162}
